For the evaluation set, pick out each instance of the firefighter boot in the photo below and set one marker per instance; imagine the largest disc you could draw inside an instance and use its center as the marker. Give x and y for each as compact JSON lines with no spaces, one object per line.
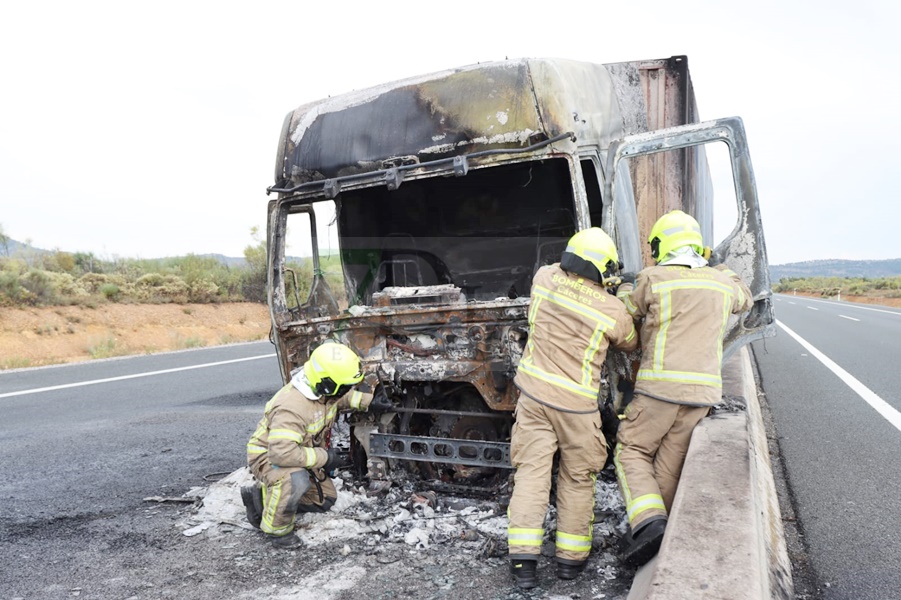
{"x":570,"y":569}
{"x":524,"y":573}
{"x":252,"y":497}
{"x":643,"y":545}
{"x":285,"y":542}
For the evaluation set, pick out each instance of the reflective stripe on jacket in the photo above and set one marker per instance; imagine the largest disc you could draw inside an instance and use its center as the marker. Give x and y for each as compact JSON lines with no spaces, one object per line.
{"x":292,"y":430}
{"x":572,"y":321}
{"x":685,"y":314}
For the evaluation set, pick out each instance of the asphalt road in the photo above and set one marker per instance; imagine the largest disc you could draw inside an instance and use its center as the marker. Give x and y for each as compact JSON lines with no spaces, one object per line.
{"x":96,"y":438}
{"x":82,"y":446}
{"x":833,"y":384}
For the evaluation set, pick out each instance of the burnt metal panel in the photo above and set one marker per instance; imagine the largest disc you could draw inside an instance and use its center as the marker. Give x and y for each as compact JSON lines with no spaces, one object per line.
{"x":508,"y":104}
{"x":477,"y":343}
{"x":474,"y":109}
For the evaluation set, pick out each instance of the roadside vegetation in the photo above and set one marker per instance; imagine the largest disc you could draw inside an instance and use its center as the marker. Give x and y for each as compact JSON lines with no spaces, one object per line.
{"x":31,"y":277}
{"x":877,"y":287}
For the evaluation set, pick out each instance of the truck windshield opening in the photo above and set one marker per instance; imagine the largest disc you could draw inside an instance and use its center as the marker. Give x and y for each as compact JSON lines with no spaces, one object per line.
{"x":485,"y":233}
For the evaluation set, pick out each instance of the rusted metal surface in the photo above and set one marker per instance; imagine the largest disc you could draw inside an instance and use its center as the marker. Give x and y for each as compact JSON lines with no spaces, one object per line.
{"x":479,"y":344}
{"x":672,"y":180}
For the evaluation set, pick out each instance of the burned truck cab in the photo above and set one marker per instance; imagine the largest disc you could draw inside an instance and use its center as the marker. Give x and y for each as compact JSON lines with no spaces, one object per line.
{"x":408,"y":222}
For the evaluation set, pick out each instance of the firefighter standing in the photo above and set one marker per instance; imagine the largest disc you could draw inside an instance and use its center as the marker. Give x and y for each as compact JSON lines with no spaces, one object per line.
{"x":572,"y":321}
{"x":685,"y":305}
{"x":287,"y":453}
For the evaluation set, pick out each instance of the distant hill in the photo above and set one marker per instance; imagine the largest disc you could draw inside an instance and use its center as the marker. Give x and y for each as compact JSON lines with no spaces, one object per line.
{"x":228,"y":261}
{"x":12,"y":248}
{"x":837,"y":268}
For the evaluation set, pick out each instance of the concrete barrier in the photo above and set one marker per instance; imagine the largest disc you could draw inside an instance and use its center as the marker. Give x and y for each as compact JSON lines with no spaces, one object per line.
{"x":724,"y":537}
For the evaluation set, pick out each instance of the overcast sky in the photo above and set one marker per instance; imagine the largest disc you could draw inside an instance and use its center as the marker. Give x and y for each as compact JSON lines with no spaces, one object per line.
{"x":142,"y":130}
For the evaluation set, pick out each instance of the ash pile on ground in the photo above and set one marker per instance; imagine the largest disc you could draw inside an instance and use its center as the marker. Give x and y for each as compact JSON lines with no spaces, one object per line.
{"x":401,"y":544}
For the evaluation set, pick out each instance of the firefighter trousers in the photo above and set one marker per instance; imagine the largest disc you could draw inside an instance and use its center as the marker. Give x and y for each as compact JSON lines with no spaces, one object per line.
{"x":652,"y":442}
{"x":287,"y":491}
{"x":538,"y":433}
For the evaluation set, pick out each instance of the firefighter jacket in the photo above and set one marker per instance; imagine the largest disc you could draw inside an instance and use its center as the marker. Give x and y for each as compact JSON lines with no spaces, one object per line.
{"x":572,"y":322}
{"x":292,"y":432}
{"x":685,"y":312}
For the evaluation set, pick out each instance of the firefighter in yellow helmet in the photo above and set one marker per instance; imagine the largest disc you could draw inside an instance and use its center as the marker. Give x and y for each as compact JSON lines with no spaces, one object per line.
{"x":682,"y":305}
{"x":573,"y":319}
{"x":288,"y":453}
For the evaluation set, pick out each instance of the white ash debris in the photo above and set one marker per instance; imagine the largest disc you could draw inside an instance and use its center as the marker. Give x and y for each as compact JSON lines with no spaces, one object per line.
{"x":606,"y":569}
{"x":403,"y":521}
{"x":221,"y":504}
{"x":610,"y":511}
{"x":417,"y":537}
{"x":400,"y":515}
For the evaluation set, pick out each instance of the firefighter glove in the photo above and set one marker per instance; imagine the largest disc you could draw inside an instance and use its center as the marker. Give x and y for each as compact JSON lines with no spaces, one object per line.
{"x":627,"y":278}
{"x":381,"y":402}
{"x":336,"y":460}
{"x":612,"y":283}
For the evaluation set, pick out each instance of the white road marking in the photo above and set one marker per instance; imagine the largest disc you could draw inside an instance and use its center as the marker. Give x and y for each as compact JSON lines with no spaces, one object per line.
{"x":849,"y":318}
{"x":881,"y":406}
{"x":135,"y":376}
{"x":812,"y":308}
{"x":855,"y":305}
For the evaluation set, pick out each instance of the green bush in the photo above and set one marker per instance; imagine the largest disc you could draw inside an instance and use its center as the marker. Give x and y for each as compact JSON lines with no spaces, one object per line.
{"x":67,"y":288}
{"x":149,"y":280}
{"x":59,"y":262}
{"x":104,"y":348}
{"x":110,"y":291}
{"x":38,"y":278}
{"x":203,"y":291}
{"x":829,"y":286}
{"x":92,"y":282}
{"x":10,"y":290}
{"x":172,"y":289}
{"x":254,"y":280}
{"x":39,"y":286}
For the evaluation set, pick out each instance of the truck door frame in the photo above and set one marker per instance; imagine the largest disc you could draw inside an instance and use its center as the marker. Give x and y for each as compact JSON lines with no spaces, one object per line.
{"x":744,"y":249}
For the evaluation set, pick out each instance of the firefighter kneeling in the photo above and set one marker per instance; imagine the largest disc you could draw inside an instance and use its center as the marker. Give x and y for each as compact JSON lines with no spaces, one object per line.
{"x":287,"y":453}
{"x":559,"y":377}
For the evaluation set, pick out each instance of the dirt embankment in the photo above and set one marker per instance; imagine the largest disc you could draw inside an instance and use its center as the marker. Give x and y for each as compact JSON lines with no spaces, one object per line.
{"x":31,"y":337}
